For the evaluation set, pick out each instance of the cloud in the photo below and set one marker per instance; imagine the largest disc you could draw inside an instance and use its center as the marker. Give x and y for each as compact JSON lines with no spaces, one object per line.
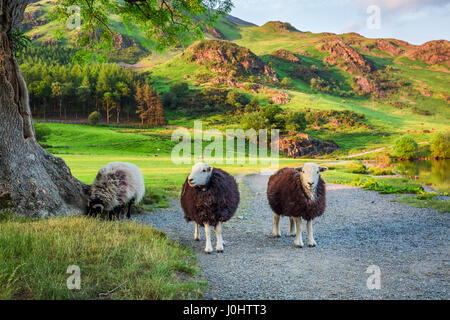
{"x":352,"y":27}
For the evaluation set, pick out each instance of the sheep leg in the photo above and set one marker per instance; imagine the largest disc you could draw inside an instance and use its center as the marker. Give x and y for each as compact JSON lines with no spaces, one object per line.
{"x":291,"y":227}
{"x":298,"y":238}
{"x":276,"y":226}
{"x":311,"y":241}
{"x":219,"y":239}
{"x":129,"y":209}
{"x":208,"y":248}
{"x":116,"y":212}
{"x":196,"y":237}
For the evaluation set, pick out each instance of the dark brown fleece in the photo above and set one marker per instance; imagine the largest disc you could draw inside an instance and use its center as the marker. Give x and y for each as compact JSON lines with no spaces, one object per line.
{"x":287,"y":197}
{"x":213,"y":203}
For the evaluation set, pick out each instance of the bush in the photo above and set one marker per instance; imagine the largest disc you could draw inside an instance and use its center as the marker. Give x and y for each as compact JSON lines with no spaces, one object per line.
{"x":254,"y":120}
{"x":273,"y":114}
{"x":95,"y":118}
{"x":42,"y":132}
{"x":358,"y":168}
{"x":381,"y":171}
{"x":440,"y":145}
{"x":295,"y":121}
{"x":405,"y":148}
{"x":169,"y":100}
{"x":286,"y":83}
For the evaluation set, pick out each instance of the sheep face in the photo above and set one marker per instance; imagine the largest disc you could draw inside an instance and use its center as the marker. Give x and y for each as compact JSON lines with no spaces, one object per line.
{"x":200,"y":175}
{"x":95,"y":207}
{"x":309,"y":176}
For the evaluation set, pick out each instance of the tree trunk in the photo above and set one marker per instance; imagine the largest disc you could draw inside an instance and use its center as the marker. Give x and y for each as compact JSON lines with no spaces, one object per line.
{"x":107,"y":113}
{"x":32,"y":181}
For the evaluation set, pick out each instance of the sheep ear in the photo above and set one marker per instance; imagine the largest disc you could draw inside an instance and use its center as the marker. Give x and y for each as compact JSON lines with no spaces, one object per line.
{"x":299,"y":168}
{"x":209,"y":169}
{"x":323,"y":169}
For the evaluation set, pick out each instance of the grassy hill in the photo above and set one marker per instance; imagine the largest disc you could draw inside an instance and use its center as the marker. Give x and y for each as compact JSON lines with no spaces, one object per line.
{"x":399,"y":88}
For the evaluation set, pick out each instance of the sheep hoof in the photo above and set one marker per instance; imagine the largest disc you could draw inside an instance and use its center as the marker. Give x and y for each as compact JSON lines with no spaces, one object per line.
{"x":219,"y":250}
{"x":299,"y":246}
{"x":197,"y":239}
{"x":312,"y":244}
{"x":292,"y":235}
{"x":276,"y":236}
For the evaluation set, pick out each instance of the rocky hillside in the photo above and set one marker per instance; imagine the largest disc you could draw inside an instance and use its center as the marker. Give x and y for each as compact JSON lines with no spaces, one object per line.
{"x":280,"y":64}
{"x":433,"y":52}
{"x":228,"y":58}
{"x":345,"y":57}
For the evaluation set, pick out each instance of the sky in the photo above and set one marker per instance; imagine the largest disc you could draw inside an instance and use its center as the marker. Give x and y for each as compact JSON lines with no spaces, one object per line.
{"x":415,"y":21}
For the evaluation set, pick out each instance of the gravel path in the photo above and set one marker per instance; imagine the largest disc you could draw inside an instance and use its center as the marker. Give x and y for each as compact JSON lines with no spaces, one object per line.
{"x":359,"y":228}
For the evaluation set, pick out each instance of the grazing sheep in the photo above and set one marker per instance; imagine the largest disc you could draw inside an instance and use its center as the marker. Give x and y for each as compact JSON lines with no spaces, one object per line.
{"x":297,"y":193}
{"x":210,"y":197}
{"x":116,"y":186}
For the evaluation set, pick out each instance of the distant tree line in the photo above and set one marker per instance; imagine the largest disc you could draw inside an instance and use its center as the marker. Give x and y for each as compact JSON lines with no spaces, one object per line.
{"x":61,"y":90}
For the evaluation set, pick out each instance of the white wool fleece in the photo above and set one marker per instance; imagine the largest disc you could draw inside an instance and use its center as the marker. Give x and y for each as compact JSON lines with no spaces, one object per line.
{"x":134,"y":188}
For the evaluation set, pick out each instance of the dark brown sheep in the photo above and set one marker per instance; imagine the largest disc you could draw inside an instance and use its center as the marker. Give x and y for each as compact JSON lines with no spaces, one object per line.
{"x":298,"y":194}
{"x":210,"y":203}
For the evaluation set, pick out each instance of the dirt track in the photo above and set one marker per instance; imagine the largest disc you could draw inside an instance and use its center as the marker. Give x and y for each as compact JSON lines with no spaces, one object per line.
{"x":359,"y":228}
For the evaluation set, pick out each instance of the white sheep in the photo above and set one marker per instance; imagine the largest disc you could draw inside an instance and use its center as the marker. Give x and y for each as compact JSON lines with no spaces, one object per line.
{"x":117,"y":185}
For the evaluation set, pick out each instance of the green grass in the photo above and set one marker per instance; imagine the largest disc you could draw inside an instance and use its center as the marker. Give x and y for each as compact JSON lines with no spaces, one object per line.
{"x":86,"y":149}
{"x":345,"y":174}
{"x":35,"y":255}
{"x":414,"y":201}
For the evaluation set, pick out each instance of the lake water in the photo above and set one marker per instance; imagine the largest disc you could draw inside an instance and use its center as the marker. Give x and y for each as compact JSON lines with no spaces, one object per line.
{"x":435,"y":173}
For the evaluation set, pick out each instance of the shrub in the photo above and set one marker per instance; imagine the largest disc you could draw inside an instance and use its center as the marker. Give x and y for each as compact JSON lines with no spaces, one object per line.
{"x":274,"y":115}
{"x":41,"y":132}
{"x":381,"y":171}
{"x":234,"y":97}
{"x":254,"y":120}
{"x":295,"y":121}
{"x":254,"y":102}
{"x":358,"y":168}
{"x":405,"y":148}
{"x":440,"y":145}
{"x":421,"y":111}
{"x":95,"y":118}
{"x":169,"y":100}
{"x":286,"y":83}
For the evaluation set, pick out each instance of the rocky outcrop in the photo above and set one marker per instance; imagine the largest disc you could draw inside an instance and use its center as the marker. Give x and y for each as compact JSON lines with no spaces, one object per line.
{"x":371,"y":86}
{"x":364,"y":84}
{"x":433,"y":52}
{"x":123,"y":42}
{"x":283,"y":27}
{"x":225,"y":57}
{"x":301,"y":145}
{"x":215,"y":32}
{"x":388,"y":47}
{"x":345,"y":57}
{"x":286,"y":56}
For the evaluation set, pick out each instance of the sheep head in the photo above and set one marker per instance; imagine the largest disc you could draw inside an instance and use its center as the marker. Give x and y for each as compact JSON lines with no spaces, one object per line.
{"x":309,"y":177}
{"x":200,"y":175}
{"x":95,"y":207}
